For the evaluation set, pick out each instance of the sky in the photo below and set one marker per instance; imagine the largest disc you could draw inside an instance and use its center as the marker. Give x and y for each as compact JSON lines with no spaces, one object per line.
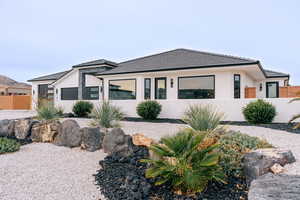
{"x":43,"y":37}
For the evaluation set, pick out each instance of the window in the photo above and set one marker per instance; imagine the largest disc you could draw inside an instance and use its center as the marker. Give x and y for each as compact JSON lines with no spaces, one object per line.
{"x":161,"y":88}
{"x":196,"y":87}
{"x":147,"y":88}
{"x":91,"y":93}
{"x":272,"y":89}
{"x":43,"y":91}
{"x":122,"y":89}
{"x":237,"y":86}
{"x":69,"y":93}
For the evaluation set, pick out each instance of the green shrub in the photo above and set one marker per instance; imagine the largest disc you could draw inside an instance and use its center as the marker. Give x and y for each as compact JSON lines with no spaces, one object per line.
{"x":202,"y":117}
{"x":182,"y":164}
{"x":259,"y":112}
{"x":82,"y":108}
{"x":233,"y":146}
{"x":8,"y":145}
{"x":148,"y":110}
{"x":47,"y":112}
{"x":107,"y":115}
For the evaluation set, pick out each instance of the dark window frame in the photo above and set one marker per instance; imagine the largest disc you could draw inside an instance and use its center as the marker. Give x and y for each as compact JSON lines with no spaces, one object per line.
{"x":147,"y":79}
{"x":277,"y":89}
{"x":155,"y":87}
{"x":68,"y":99}
{"x":135,"y":88}
{"x":182,"y":77}
{"x":239,"y":89}
{"x":88,"y":97}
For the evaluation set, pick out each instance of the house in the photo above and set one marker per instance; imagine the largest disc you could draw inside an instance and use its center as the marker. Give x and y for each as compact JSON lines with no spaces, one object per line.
{"x":175,"y":78}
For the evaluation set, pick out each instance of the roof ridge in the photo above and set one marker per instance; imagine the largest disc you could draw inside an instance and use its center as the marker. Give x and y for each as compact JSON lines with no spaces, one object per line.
{"x":219,"y":54}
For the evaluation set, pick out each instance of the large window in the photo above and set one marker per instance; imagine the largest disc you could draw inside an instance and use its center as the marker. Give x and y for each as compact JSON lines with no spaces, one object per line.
{"x":69,"y":93}
{"x":272,"y":89}
{"x":122,"y":89}
{"x":196,"y":87}
{"x":147,"y":88}
{"x":161,"y":88}
{"x":91,"y":93}
{"x":237,"y":86}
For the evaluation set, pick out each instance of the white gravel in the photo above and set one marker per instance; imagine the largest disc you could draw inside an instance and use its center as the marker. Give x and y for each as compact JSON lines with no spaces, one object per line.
{"x":16,"y":114}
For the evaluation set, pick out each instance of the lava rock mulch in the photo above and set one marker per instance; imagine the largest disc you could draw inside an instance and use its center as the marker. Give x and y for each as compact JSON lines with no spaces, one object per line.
{"x":21,"y":141}
{"x":123,"y":178}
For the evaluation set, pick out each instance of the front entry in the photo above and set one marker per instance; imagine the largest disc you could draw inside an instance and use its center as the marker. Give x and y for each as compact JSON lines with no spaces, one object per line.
{"x":272,"y":90}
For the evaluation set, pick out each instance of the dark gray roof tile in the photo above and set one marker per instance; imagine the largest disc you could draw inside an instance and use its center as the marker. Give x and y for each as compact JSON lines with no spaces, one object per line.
{"x":50,"y":76}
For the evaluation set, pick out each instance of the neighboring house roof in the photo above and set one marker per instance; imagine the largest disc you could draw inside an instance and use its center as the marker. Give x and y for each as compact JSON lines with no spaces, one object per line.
{"x":97,"y":62}
{"x":51,"y":76}
{"x":273,"y":74}
{"x":177,"y":59}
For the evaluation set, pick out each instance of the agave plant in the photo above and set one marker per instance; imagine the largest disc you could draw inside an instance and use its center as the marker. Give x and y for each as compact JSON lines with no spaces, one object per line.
{"x":183,"y":164}
{"x":296,"y":116}
{"x":107,"y":115}
{"x":202,"y":117}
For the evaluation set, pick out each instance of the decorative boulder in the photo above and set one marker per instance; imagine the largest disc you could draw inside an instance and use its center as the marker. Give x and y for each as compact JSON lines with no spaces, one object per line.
{"x":141,"y":140}
{"x":275,"y":187}
{"x":92,"y":139}
{"x":69,"y":134}
{"x":23,"y":128}
{"x":45,"y":131}
{"x":7,"y":128}
{"x":259,"y":162}
{"x":116,"y":141}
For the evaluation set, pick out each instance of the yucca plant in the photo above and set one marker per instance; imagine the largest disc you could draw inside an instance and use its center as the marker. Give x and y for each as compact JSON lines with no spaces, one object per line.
{"x":47,"y":112}
{"x":183,"y":164}
{"x":202,"y":117}
{"x":296,"y":116}
{"x":107,"y":115}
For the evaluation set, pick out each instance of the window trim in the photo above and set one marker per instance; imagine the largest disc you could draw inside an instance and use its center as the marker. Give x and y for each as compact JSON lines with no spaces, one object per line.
{"x":84,"y":93}
{"x":277,"y":89}
{"x":214,"y":82}
{"x":239,"y":97}
{"x":135,"y":88}
{"x":145,"y":79}
{"x":61,"y":94}
{"x":155,"y":84}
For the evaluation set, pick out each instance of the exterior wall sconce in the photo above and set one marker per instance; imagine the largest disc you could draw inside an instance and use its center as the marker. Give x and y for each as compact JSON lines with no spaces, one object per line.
{"x":56,"y":91}
{"x":33,"y":92}
{"x":172,"y":82}
{"x":260,"y":87}
{"x":101,"y":89}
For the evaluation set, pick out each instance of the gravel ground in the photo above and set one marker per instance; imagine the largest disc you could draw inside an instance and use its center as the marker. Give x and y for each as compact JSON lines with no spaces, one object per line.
{"x":16,"y":114}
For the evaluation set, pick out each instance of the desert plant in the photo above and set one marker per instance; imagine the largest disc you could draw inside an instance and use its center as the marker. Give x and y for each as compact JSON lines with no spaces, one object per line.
{"x":107,"y":115}
{"x":232,"y":147}
{"x":148,"y":110}
{"x":82,"y":108}
{"x":296,"y":116}
{"x":47,"y":112}
{"x":8,"y":145}
{"x":259,"y":112}
{"x":183,"y":164}
{"x":202,"y":117}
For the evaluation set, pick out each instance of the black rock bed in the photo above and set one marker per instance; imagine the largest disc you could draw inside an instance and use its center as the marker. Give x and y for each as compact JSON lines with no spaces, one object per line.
{"x":123,"y":178}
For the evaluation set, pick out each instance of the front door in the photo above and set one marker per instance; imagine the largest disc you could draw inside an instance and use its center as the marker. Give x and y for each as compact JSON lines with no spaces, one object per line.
{"x":272,"y":89}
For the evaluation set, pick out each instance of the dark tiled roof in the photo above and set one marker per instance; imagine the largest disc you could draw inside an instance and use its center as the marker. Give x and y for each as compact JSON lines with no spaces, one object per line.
{"x":96,"y":62}
{"x":50,"y":76}
{"x":177,"y":59}
{"x":273,"y":74}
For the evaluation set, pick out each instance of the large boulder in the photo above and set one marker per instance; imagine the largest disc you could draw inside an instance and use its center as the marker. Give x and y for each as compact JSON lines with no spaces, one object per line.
{"x":116,"y":141}
{"x":139,"y":139}
{"x":23,"y":128}
{"x":259,"y":162}
{"x":92,"y":139}
{"x":275,"y":187}
{"x":45,"y":131}
{"x":7,"y":128}
{"x":69,"y":134}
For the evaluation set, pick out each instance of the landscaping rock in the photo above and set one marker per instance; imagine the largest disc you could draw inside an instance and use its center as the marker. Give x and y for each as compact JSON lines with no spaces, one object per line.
{"x":45,"y":131}
{"x":141,"y":140}
{"x":23,"y":128}
{"x":92,"y":139}
{"x":277,"y":169}
{"x":275,"y":187}
{"x":259,"y":162}
{"x":116,"y":141}
{"x":7,"y":128}
{"x":69,"y":134}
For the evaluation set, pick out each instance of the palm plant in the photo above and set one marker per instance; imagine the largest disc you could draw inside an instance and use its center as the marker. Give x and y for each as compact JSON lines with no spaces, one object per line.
{"x":296,"y":116}
{"x":202,"y":117}
{"x":183,"y":164}
{"x":107,"y":115}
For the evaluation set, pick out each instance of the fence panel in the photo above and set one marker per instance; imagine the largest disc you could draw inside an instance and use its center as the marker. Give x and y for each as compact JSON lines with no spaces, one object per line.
{"x":289,"y":91}
{"x":19,"y":102}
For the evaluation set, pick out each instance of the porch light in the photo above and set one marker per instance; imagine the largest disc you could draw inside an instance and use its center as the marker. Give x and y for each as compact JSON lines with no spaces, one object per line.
{"x":172,"y":82}
{"x":33,"y":92}
{"x":56,"y":91}
{"x":260,"y":87}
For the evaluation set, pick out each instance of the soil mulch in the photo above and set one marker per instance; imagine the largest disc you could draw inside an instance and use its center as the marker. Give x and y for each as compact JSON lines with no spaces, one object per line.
{"x":124,"y":178}
{"x":21,"y":141}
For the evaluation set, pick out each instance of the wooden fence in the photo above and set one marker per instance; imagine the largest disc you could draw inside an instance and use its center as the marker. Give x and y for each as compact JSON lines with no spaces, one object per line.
{"x":289,"y":91}
{"x":18,"y":102}
{"x":250,"y":92}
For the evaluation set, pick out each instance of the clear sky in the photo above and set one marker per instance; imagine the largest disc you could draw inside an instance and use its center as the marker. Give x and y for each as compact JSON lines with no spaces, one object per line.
{"x":38,"y":37}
